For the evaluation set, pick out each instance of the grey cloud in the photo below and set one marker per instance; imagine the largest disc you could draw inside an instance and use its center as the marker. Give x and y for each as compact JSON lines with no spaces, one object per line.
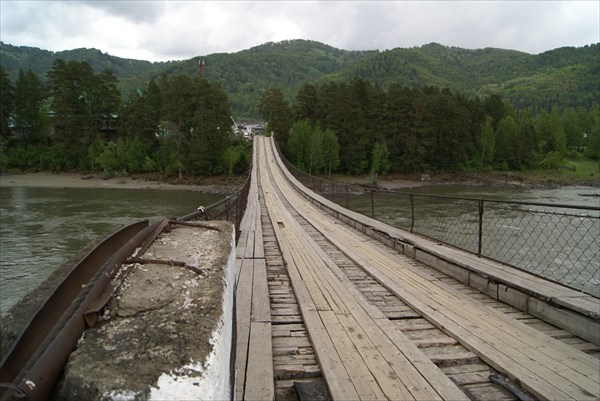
{"x":135,"y":11}
{"x":179,"y":30}
{"x":51,"y":25}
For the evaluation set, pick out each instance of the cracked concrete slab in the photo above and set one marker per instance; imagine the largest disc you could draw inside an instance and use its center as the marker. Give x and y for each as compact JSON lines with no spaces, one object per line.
{"x":163,"y":319}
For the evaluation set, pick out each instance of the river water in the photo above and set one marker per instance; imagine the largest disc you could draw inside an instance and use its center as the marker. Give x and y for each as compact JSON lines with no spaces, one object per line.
{"x":40,"y":228}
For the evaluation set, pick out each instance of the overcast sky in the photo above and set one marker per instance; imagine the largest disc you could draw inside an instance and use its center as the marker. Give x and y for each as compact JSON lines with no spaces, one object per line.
{"x":176,"y":30}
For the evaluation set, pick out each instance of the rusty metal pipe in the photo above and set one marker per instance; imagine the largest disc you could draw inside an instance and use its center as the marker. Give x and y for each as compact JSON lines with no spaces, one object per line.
{"x":39,"y":354}
{"x":56,"y":305}
{"x":95,"y":306}
{"x":38,"y":381}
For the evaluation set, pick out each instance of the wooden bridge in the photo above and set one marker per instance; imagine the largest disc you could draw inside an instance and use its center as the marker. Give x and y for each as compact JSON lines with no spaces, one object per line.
{"x":330,"y":299}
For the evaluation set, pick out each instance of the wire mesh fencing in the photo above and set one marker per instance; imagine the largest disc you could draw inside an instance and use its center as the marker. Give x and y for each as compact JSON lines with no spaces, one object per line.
{"x":558,"y":242}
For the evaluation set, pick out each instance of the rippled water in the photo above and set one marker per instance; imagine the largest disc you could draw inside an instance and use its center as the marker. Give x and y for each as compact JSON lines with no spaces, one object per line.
{"x":40,"y":228}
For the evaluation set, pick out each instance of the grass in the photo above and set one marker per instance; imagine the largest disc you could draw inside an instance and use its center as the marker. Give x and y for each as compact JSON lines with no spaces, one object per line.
{"x":571,"y":170}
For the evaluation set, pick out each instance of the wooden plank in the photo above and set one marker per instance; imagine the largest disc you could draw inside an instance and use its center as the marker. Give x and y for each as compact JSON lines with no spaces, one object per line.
{"x":390,"y":372}
{"x":408,"y":325}
{"x":465,"y":329}
{"x":238,"y":270}
{"x":338,"y":381}
{"x":337,"y":376}
{"x":295,"y":259}
{"x":491,"y":391}
{"x":362,"y":378}
{"x":259,"y":250}
{"x":240,"y":249}
{"x":302,"y":359}
{"x":259,"y":376}
{"x":286,"y":319}
{"x":408,"y":357}
{"x":243,"y":298}
{"x":286,"y":342}
{"x":261,"y":310}
{"x":311,"y":265}
{"x":249,"y":249}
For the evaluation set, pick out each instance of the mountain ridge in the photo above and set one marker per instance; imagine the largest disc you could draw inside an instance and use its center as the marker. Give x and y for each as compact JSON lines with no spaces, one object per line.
{"x":562,"y":77}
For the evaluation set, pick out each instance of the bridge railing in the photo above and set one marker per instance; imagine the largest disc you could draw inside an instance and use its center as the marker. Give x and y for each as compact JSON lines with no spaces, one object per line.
{"x":554,"y":241}
{"x":231,"y":208}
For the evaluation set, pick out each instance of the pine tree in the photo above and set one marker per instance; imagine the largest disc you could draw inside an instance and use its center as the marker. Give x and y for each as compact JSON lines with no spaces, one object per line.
{"x":506,"y":142}
{"x":306,"y":103}
{"x":487,"y":142}
{"x":274,"y":108}
{"x":527,"y":144}
{"x":6,"y":102}
{"x":108,"y":100}
{"x":72,"y":88}
{"x":29,"y":97}
{"x":211,"y":135}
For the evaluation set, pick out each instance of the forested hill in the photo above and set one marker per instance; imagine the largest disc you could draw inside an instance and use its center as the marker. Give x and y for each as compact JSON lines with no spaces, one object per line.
{"x":565,"y":77}
{"x":40,"y":61}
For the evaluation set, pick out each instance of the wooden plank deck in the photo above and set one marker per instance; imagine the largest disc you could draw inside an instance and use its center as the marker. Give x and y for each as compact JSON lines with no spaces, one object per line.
{"x":383,"y":362}
{"x":362,"y":353}
{"x":362,"y":356}
{"x":254,"y":355}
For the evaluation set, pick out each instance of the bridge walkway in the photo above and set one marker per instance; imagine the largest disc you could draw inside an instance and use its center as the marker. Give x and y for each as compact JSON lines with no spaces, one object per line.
{"x":361,"y":353}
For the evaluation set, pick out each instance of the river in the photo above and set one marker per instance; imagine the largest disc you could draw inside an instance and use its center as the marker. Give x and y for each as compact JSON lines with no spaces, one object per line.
{"x":40,"y":228}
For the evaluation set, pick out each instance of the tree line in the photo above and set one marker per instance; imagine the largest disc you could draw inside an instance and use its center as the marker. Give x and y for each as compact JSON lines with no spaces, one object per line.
{"x":405,"y":129}
{"x":79,"y":121}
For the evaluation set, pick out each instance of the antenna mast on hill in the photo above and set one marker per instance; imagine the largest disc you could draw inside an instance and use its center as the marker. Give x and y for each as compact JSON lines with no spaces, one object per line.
{"x":201,"y":69}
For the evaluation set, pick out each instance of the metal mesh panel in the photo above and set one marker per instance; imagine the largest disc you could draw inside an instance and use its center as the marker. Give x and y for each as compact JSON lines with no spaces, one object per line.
{"x":453,"y":221}
{"x":552,"y":241}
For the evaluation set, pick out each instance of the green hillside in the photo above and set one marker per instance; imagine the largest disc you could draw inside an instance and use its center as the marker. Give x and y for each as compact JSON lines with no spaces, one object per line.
{"x":565,"y":77}
{"x":13,"y":58}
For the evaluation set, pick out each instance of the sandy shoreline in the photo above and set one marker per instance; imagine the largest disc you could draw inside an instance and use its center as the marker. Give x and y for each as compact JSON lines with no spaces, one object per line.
{"x":71,"y":180}
{"x":228,"y":185}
